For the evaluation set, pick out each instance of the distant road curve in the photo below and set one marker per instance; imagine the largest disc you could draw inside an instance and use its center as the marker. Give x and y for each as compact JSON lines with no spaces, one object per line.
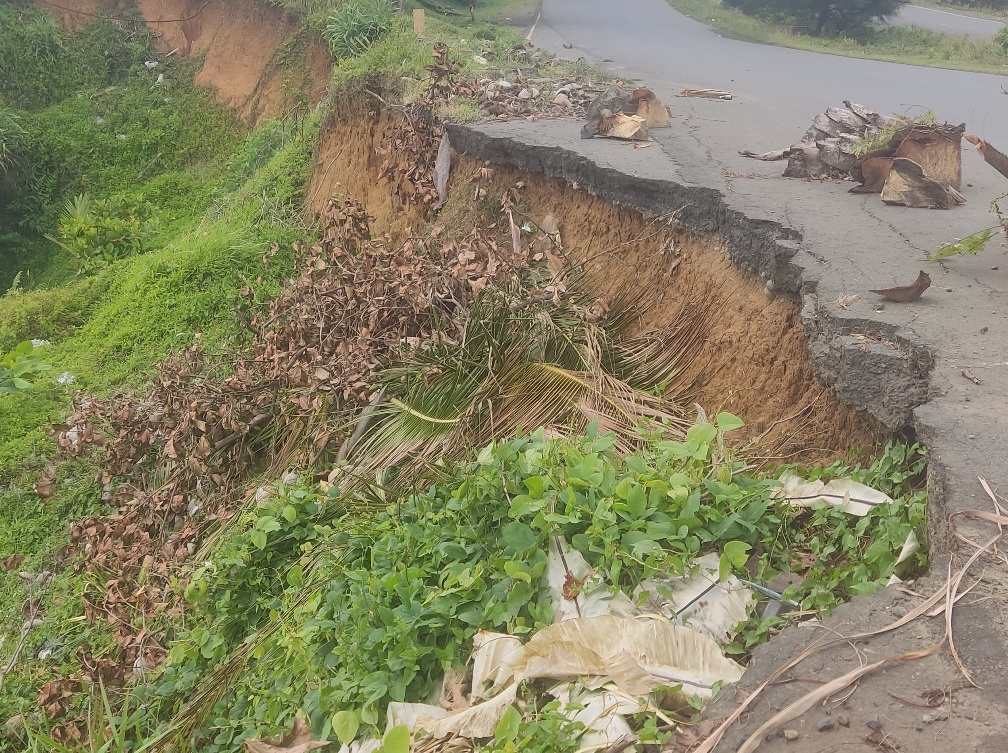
{"x":944,"y":22}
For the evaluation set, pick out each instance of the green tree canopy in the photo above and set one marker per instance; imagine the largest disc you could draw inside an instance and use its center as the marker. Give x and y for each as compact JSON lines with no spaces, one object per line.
{"x":818,"y":17}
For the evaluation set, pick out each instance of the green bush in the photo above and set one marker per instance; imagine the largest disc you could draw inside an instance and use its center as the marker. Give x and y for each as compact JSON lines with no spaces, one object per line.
{"x":99,"y":231}
{"x":1001,"y":39}
{"x":357,"y":25}
{"x":818,"y":17}
{"x":11,"y":132}
{"x":344,"y":610}
{"x":18,"y":366}
{"x":43,"y":64}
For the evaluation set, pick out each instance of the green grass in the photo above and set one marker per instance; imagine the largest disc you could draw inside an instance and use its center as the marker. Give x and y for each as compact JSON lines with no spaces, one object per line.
{"x":966,"y":10}
{"x":221,"y":198}
{"x":896,"y":44}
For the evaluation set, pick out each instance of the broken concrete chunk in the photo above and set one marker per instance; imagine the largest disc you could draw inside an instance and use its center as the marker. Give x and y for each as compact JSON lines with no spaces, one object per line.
{"x":847,"y":118}
{"x":804,"y":162}
{"x":831,"y":152}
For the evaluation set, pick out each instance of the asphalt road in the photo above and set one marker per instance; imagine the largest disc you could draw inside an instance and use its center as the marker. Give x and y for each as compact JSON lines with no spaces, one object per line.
{"x":943,"y":22}
{"x":648,"y":40}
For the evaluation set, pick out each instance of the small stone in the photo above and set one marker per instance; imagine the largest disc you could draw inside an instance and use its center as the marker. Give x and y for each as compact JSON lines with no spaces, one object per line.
{"x":562,"y":99}
{"x":524,"y":94}
{"x":842,"y":720}
{"x":790,"y":735}
{"x":826,"y":724}
{"x":568,"y":46}
{"x":480,"y":59}
{"x":873,"y":723}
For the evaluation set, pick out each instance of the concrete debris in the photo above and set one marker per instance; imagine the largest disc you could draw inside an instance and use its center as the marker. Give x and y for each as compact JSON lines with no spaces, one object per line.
{"x":614,"y":98}
{"x":826,"y":724}
{"x":502,"y":98}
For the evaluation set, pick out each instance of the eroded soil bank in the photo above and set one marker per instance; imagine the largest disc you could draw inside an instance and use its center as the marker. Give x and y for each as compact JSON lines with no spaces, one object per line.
{"x":755,"y":360}
{"x":256,"y":59}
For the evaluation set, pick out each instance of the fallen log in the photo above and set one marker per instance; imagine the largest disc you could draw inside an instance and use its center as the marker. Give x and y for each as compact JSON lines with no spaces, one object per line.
{"x":872,"y":172}
{"x":644,"y":103}
{"x":937,"y":149}
{"x":991,"y":156}
{"x":908,"y":185}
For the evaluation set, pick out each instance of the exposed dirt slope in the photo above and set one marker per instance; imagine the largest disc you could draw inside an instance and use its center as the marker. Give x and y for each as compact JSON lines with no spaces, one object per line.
{"x":256,"y":58}
{"x":347,"y":164}
{"x":755,"y":359}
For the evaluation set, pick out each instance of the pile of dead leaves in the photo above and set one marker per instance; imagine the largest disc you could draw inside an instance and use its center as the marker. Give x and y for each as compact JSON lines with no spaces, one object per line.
{"x":409,"y":156}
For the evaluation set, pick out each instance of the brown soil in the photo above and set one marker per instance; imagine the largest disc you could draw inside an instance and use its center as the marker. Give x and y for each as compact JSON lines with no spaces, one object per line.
{"x":347,"y":165}
{"x":754,"y":362}
{"x":239,"y":41}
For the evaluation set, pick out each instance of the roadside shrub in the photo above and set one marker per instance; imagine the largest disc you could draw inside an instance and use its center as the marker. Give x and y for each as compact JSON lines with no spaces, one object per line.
{"x":818,"y":17}
{"x":18,"y":366}
{"x":1001,"y":40}
{"x":357,"y":25}
{"x":99,"y":231}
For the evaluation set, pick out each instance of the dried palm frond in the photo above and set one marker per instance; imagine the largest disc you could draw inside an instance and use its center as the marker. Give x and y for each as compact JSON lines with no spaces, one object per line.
{"x":620,"y":126}
{"x":519,"y":368}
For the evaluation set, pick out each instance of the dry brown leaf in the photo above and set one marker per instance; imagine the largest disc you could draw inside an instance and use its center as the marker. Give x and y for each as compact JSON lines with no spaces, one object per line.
{"x":11,"y":562}
{"x":295,"y":741}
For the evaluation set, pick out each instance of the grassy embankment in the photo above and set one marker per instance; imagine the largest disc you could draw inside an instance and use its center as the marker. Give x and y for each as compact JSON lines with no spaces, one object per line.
{"x":895,"y":44}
